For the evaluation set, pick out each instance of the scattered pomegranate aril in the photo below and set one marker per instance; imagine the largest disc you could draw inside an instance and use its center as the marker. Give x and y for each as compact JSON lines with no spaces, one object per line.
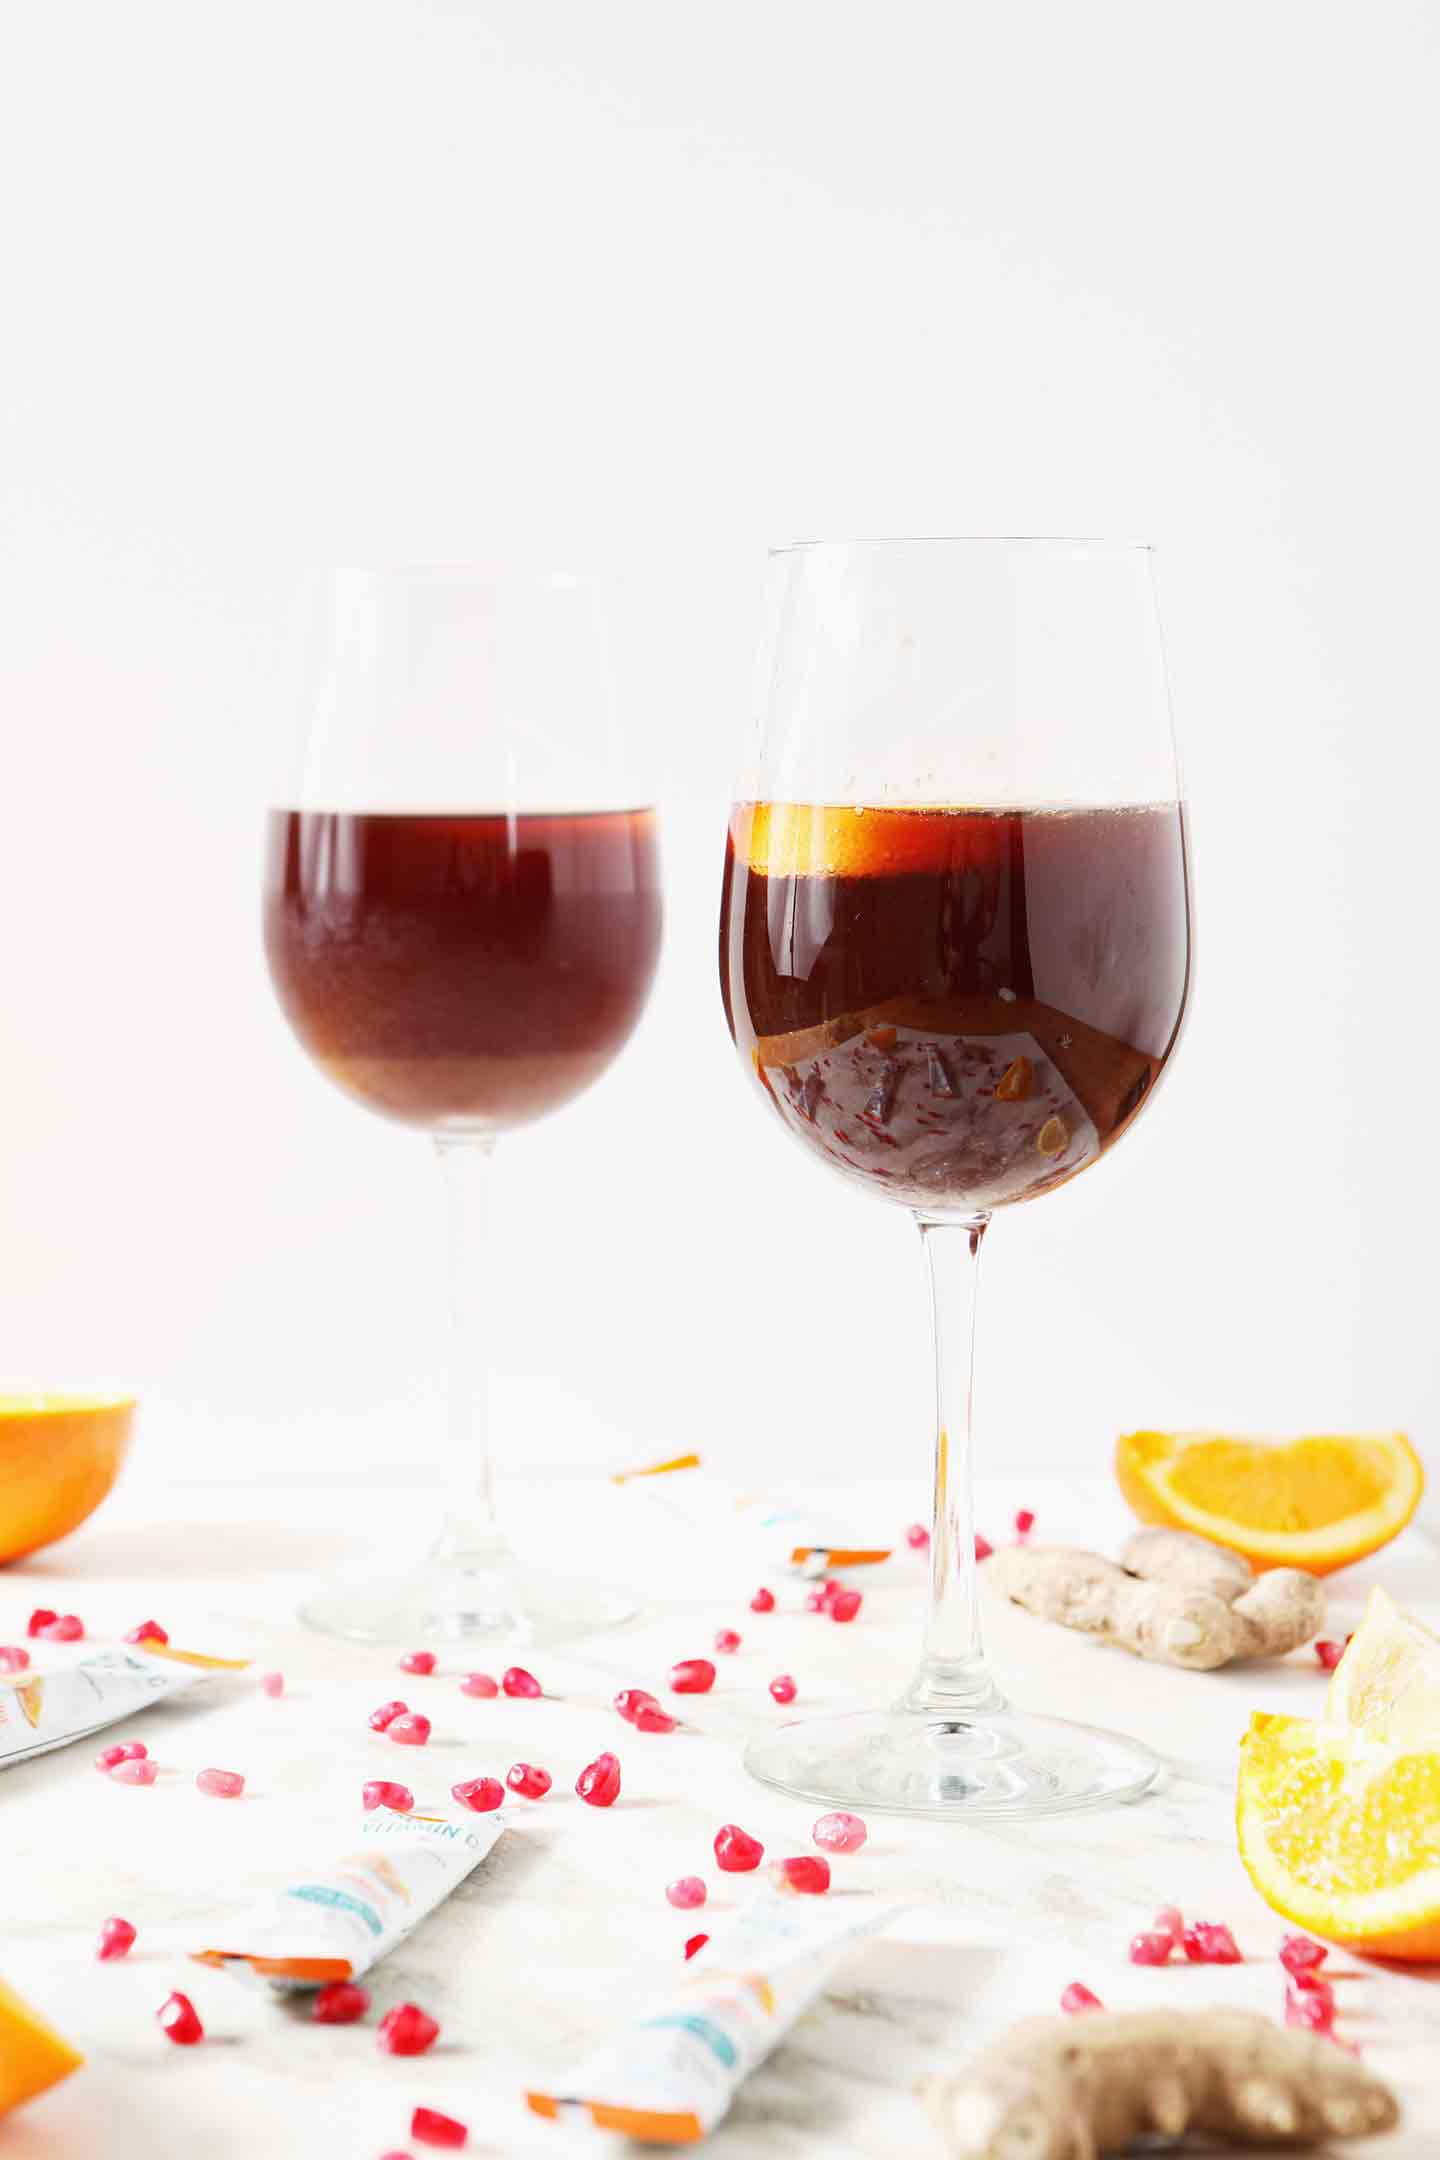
{"x":382,"y":1719}
{"x":783,"y":1688}
{"x":693,"y":1944}
{"x":845,"y":1604}
{"x":135,"y":1770}
{"x":763,"y":1601}
{"x":117,"y":1936}
{"x":686,"y":1892}
{"x":220,"y":1784}
{"x":418,"y":1661}
{"x":429,"y":2127}
{"x":407,"y":2030}
{"x":839,"y":1832}
{"x":1312,"y":2008}
{"x":599,"y":1781}
{"x":1151,"y":1949}
{"x":482,"y":1795}
{"x":68,"y":1628}
{"x":148,"y":1631}
{"x":109,"y":1756}
{"x":340,"y":2002}
{"x":727,"y":1642}
{"x":412,"y":1730}
{"x":380,"y":1792}
{"x":632,"y":1700}
{"x":1170,"y":1921}
{"x":479,"y":1683}
{"x":40,"y":1618}
{"x":178,"y":2020}
{"x":917,"y":1537}
{"x":1298,"y":1954}
{"x":1077,"y":1999}
{"x":1208,"y":1942}
{"x":529,"y":1780}
{"x":516,"y":1681}
{"x":272,"y":1684}
{"x":817,"y":1601}
{"x":983,"y":1547}
{"x":692,"y":1676}
{"x":804,"y":1874}
{"x":13,"y":1658}
{"x":656,"y":1720}
{"x":1024,"y":1521}
{"x":736,"y":1852}
{"x":1329,"y":1654}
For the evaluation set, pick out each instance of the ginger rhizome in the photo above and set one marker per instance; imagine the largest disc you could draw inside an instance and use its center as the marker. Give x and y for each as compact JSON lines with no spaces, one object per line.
{"x":1060,"y":2088}
{"x":1171,"y":1597}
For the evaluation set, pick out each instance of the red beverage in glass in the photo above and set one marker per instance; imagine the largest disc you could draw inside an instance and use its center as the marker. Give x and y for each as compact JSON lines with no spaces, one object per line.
{"x":959,"y":1007}
{"x":462,"y":973}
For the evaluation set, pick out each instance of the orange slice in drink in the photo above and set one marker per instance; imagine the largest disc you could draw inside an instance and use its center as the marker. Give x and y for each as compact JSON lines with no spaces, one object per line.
{"x":59,"y":1456}
{"x":1317,"y":1503}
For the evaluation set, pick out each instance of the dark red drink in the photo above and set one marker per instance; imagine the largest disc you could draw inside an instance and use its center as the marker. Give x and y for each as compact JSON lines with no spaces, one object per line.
{"x":959,"y":1007}
{"x":462,"y":973}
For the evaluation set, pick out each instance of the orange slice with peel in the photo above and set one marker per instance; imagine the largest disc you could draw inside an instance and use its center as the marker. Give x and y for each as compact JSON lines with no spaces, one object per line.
{"x":33,"y":2056}
{"x":1318,"y":1502}
{"x":1339,"y":1819}
{"x":59,"y":1457}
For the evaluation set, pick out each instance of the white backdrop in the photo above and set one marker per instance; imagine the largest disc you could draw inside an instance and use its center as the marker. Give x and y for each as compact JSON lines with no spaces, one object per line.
{"x":649,"y":285}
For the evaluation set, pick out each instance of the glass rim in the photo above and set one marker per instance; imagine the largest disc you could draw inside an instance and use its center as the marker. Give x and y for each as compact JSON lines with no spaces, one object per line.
{"x":1086,"y":544}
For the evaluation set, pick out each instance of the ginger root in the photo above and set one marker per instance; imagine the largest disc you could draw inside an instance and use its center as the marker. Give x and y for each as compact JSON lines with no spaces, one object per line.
{"x":1173,"y":1597}
{"x":1060,"y":2088}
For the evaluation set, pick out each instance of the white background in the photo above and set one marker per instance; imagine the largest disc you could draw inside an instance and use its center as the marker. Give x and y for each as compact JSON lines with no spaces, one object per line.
{"x":648,"y":285}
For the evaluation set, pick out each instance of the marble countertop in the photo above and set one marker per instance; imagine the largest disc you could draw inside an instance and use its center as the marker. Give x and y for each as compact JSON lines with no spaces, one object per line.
{"x":565,"y":1928}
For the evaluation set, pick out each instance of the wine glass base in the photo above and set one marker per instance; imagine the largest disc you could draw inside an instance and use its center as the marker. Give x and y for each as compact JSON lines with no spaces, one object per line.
{"x":509,"y":1609}
{"x":1005,"y":1763}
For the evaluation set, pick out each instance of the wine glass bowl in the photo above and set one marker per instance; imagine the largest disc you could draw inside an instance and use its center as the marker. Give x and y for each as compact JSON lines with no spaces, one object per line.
{"x":955,"y":957}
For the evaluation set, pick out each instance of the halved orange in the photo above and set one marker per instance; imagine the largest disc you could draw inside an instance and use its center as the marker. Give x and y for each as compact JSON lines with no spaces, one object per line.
{"x":1318,"y":1502}
{"x":59,"y":1456}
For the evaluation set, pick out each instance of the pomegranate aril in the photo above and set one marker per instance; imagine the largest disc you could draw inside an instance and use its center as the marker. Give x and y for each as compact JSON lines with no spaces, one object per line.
{"x":135,"y":1770}
{"x":429,"y":2127}
{"x":1329,"y":1654}
{"x":763,"y":1601}
{"x":418,"y":1661}
{"x":109,"y":1756}
{"x":40,"y":1618}
{"x":178,"y":2020}
{"x":407,"y":2030}
{"x":917,"y":1537}
{"x":656,"y":1720}
{"x":412,"y":1730}
{"x":13,"y":1658}
{"x":632,"y":1700}
{"x":516,"y":1681}
{"x":148,"y":1631}
{"x":482,"y":1795}
{"x":839,"y":1832}
{"x":693,"y":1944}
{"x":727,"y":1642}
{"x":339,"y":2003}
{"x":529,"y":1780}
{"x":1024,"y":1521}
{"x":1312,"y":2009}
{"x":692,"y":1676}
{"x":783,"y":1688}
{"x":845,"y":1604}
{"x":272,"y":1684}
{"x":599,"y":1781}
{"x":817,"y":1601}
{"x":116,"y":1938}
{"x":686,"y":1892}
{"x":68,"y":1628}
{"x":1151,"y":1949}
{"x":1170,"y":1921}
{"x":983,"y":1547}
{"x":385,"y":1716}
{"x":736,"y":1852}
{"x":220,"y":1784}
{"x":479,"y":1683}
{"x":804,"y":1874}
{"x":380,"y":1792}
{"x":1077,"y":1998}
{"x":1298,"y":1954}
{"x":1209,"y":1942}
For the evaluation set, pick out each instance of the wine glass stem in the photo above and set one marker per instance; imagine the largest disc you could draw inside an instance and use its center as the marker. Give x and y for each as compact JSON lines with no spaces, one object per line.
{"x":469,"y":1536}
{"x":953,"y":1677}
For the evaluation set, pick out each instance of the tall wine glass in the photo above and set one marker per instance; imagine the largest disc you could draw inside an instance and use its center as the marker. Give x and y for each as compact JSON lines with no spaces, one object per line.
{"x":954,"y":952}
{"x":462,"y":916}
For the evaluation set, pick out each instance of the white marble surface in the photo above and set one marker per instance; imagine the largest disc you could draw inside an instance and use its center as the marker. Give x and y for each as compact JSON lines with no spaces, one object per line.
{"x":565,"y":1927}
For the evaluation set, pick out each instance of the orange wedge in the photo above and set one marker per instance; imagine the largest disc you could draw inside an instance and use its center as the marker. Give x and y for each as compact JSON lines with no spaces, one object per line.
{"x":1339,"y":1820}
{"x":33,"y":2056}
{"x":1316,"y":1503}
{"x":59,"y":1456}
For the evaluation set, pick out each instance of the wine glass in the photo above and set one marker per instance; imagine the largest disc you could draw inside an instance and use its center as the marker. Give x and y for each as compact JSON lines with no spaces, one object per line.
{"x":462,"y":917}
{"x":954,"y":953}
